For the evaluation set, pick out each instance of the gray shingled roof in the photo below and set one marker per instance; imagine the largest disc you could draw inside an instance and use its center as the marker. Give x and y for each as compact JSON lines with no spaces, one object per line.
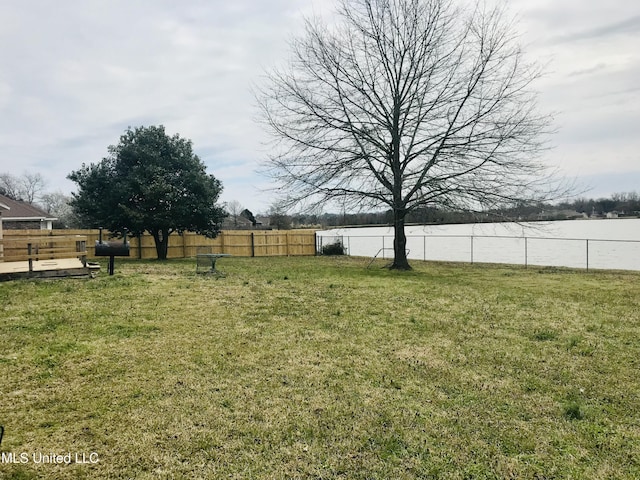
{"x":23,"y":211}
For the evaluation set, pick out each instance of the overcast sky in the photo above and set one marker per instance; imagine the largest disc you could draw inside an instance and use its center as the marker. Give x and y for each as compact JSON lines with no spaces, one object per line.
{"x":76,"y":73}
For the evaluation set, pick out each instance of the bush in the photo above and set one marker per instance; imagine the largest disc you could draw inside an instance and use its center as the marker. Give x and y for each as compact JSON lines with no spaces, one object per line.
{"x":333,"y":249}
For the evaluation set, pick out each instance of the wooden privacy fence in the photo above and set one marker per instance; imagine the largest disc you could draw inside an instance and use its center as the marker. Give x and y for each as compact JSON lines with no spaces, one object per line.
{"x":242,"y":243}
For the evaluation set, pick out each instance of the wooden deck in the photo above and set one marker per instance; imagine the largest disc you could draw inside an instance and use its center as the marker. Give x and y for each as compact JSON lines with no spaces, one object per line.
{"x":45,"y":257}
{"x":62,"y":267}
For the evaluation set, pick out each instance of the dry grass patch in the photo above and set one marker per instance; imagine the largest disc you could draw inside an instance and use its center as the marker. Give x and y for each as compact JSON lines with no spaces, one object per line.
{"x":320,"y":368}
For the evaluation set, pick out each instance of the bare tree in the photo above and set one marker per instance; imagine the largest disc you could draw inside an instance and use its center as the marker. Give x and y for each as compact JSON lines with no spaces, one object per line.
{"x":27,"y":187}
{"x":32,"y":186}
{"x":278,"y":218}
{"x":235,"y":209}
{"x":10,"y":186}
{"x":405,"y":104}
{"x":58,"y":205}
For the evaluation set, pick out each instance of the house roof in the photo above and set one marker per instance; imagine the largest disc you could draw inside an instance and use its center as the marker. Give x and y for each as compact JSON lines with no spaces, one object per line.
{"x":231,"y":222}
{"x":18,"y":210}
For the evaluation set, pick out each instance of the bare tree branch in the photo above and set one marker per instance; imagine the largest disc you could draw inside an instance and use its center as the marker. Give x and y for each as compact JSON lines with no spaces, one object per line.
{"x":32,"y":186}
{"x":408,"y":104}
{"x":27,"y":188}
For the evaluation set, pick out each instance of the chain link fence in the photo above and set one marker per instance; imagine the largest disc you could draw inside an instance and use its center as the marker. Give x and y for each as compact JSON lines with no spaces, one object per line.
{"x":539,"y":251}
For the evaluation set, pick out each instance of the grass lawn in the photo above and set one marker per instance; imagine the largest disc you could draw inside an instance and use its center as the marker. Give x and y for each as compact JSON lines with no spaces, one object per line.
{"x":319,"y":368}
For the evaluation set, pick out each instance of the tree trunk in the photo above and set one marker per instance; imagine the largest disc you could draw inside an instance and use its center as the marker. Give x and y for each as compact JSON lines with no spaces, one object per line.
{"x":399,"y":242}
{"x":161,"y":238}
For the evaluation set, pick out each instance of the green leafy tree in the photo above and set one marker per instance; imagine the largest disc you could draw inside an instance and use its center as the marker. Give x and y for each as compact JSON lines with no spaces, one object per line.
{"x":149,"y":182}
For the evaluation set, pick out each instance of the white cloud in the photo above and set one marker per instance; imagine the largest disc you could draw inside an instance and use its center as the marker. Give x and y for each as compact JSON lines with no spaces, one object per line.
{"x":77,"y":73}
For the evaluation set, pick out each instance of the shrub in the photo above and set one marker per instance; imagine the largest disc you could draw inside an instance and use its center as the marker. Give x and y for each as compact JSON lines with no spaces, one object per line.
{"x":333,"y":248}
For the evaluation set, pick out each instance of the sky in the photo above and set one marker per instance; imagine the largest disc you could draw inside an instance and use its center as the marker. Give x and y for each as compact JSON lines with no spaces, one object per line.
{"x":77,"y":73}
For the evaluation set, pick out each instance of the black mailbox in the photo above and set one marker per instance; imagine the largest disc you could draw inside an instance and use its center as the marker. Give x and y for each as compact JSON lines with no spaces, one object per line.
{"x":112,"y":249}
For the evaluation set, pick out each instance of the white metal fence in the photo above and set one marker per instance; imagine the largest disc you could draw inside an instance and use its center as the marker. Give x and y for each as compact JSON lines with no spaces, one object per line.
{"x":540,"y":251}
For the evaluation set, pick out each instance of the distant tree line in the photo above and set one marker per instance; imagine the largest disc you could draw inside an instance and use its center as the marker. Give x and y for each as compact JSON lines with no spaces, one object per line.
{"x":623,"y":204}
{"x":30,"y":188}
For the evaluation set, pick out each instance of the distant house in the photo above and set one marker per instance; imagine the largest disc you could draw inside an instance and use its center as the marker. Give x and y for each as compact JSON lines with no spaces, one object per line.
{"x":236,"y":222}
{"x":22,"y":216}
{"x":3,"y":208}
{"x":263,"y":220}
{"x":239,"y":222}
{"x":565,"y":214}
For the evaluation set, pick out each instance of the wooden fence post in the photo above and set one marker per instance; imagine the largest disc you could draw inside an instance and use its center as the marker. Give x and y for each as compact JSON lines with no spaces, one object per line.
{"x":30,"y":259}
